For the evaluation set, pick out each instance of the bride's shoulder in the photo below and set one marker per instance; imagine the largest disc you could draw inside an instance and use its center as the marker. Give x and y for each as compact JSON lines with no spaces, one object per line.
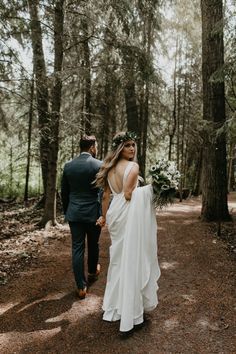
{"x":134,"y":168}
{"x":135,"y":165}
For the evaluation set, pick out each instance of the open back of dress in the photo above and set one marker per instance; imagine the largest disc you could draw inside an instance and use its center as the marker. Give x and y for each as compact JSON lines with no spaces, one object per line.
{"x":118,"y":188}
{"x":133,"y":270}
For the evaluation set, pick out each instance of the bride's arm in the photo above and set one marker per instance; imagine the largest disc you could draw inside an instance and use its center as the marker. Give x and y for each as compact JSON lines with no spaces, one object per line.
{"x":131,"y":181}
{"x":105,"y":200}
{"x":105,"y":204}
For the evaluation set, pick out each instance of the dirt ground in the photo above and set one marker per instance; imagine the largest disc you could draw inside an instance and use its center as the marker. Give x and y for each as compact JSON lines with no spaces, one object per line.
{"x":40,"y":313}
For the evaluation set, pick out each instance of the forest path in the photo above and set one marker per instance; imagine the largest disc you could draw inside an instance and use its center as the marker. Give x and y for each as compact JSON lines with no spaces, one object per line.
{"x":40,"y":313}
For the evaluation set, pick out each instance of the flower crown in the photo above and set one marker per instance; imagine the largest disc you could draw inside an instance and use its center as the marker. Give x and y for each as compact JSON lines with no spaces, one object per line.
{"x":122,"y":138}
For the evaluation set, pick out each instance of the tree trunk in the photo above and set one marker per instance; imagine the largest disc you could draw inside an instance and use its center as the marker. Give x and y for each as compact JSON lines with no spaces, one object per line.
{"x":72,"y":146}
{"x":231,"y":180}
{"x":198,"y":175}
{"x":11,"y":172}
{"x":133,"y":122}
{"x":178,"y":127}
{"x":29,"y":141}
{"x":106,"y":116}
{"x":50,"y":202}
{"x":172,"y":130}
{"x":113,"y":110}
{"x":109,"y":100}
{"x":214,"y":179}
{"x":144,"y":118}
{"x":131,"y":106}
{"x":41,"y":87}
{"x":182,"y":144}
{"x":107,"y":112}
{"x":87,"y":80}
{"x":130,"y":92}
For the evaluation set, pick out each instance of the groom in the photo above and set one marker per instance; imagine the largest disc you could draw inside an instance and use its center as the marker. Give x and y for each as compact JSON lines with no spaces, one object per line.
{"x":81,"y":209}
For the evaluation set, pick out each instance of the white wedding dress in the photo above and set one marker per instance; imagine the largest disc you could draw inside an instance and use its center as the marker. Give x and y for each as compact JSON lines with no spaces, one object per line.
{"x":133,"y":271}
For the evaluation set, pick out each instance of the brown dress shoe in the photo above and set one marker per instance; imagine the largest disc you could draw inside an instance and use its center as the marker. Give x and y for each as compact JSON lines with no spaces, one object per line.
{"x":82,"y":293}
{"x":92,"y":277}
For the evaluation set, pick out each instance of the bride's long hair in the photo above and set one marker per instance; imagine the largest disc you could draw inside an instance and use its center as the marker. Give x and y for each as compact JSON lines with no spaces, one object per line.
{"x":110,"y":161}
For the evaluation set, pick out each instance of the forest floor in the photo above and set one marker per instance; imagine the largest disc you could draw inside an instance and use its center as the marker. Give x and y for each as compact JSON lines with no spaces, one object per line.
{"x":40,"y":313}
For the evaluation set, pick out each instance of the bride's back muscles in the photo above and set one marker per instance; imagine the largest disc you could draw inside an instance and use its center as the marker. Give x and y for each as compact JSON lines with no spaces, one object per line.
{"x":116,"y":176}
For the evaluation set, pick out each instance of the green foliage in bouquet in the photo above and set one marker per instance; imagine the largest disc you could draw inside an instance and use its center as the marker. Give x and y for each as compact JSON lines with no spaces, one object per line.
{"x":165,"y":179}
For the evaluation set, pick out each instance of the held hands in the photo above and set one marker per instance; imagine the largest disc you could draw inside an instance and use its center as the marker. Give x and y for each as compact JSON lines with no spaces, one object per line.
{"x":101,"y":221}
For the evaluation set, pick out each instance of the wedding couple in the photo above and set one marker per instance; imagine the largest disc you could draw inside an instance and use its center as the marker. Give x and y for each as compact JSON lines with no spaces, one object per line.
{"x":133,"y":271}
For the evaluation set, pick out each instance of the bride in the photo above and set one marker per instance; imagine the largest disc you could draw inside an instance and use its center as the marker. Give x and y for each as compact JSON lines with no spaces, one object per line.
{"x":133,"y":271}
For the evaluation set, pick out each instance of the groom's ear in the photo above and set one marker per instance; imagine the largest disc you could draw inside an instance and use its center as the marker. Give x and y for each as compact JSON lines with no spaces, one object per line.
{"x":93,"y":149}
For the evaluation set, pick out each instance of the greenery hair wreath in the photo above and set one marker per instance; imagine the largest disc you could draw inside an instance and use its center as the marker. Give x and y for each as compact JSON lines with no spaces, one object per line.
{"x":119,"y":139}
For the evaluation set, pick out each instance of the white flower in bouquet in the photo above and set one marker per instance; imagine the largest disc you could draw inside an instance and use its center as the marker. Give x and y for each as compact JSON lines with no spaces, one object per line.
{"x":171,"y":169}
{"x":153,"y":168}
{"x":174,"y":185}
{"x":165,"y":179}
{"x":177,"y":174}
{"x":164,"y":187}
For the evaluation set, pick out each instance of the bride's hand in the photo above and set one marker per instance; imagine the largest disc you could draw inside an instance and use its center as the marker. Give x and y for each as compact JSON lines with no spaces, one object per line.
{"x":101,"y":221}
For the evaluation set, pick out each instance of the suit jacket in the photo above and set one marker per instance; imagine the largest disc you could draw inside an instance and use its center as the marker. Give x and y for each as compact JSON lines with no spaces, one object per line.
{"x":80,"y":199}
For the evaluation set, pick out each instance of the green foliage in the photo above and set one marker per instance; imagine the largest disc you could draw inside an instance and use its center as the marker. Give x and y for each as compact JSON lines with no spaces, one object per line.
{"x":123,"y":38}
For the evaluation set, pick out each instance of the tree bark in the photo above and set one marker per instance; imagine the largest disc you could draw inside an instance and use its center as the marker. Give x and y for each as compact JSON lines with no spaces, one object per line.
{"x":172,"y":129}
{"x":87,"y":80}
{"x":130,"y":92}
{"x":182,"y":143}
{"x":198,"y":174}
{"x":178,"y":117}
{"x":132,"y":113}
{"x":131,"y":104}
{"x":29,"y":141}
{"x":41,"y":87}
{"x":144,"y":118}
{"x":11,"y":173}
{"x":231,"y":179}
{"x":50,"y":202}
{"x":214,"y":179}
{"x":145,"y":121}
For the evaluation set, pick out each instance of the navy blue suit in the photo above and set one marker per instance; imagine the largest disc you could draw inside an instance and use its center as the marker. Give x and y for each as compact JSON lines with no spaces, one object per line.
{"x":81,"y":205}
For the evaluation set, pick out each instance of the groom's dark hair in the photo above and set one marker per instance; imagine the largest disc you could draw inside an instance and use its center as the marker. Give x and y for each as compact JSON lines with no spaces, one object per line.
{"x":86,"y":142}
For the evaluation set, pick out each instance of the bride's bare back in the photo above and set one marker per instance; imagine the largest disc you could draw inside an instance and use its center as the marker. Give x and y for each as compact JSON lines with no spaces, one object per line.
{"x":116,"y":178}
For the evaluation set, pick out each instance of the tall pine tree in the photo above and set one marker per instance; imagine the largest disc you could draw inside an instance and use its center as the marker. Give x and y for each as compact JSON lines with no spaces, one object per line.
{"x":214,"y":181}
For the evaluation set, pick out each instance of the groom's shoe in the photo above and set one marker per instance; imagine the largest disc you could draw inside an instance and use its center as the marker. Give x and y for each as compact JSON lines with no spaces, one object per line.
{"x":82,"y":293}
{"x":92,"y":277}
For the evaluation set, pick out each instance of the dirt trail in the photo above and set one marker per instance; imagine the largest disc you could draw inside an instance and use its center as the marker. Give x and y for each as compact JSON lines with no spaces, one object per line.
{"x":39,"y":311}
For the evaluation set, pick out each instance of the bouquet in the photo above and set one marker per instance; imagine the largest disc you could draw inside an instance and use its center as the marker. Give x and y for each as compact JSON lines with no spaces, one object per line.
{"x":165,"y":180}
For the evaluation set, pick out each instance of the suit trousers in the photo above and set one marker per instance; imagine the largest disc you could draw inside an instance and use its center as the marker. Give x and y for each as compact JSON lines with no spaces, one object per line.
{"x":79,"y":230}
